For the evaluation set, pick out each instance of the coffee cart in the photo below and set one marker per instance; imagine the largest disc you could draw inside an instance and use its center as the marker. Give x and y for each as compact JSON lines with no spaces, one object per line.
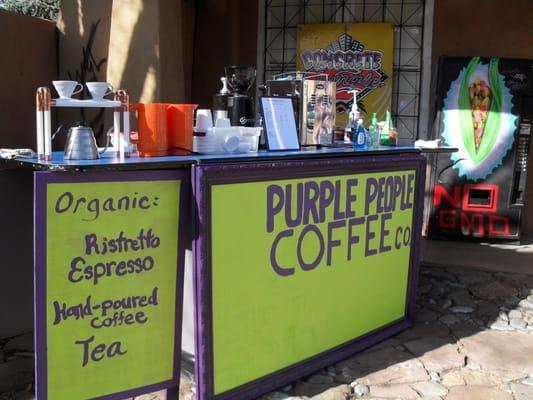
{"x":294,"y":260}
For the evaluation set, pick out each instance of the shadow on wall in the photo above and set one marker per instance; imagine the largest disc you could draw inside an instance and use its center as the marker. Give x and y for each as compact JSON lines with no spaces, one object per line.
{"x":225,"y":34}
{"x":84,"y":30}
{"x":132,"y":44}
{"x":29,"y":56}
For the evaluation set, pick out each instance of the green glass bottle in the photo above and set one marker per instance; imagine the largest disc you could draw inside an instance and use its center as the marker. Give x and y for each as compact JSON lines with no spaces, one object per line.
{"x":373,"y":131}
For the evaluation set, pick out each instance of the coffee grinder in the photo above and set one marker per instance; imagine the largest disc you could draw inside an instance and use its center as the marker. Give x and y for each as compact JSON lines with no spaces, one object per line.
{"x":236,"y":102}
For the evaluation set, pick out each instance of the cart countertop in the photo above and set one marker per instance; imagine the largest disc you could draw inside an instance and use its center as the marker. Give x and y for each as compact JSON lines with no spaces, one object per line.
{"x":109,"y":162}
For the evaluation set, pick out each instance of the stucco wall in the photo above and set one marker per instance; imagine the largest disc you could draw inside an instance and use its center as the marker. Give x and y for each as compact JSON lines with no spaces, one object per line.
{"x":29,"y":60}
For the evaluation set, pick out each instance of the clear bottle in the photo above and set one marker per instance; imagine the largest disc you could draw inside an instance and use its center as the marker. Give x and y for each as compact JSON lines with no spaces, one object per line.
{"x":349,"y":131}
{"x":373,"y":132}
{"x":393,"y":134}
{"x":360,"y":135}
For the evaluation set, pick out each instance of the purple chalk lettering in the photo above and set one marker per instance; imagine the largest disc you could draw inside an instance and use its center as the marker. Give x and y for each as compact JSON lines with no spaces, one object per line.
{"x":337,"y":212}
{"x":331,"y":242}
{"x":350,"y":197}
{"x":283,"y":271}
{"x":312,"y":192}
{"x":353,"y":239}
{"x":384,"y":233}
{"x":64,"y":202}
{"x":370,"y":235}
{"x":327,"y":193}
{"x":275,"y":200}
{"x":290,"y":207}
{"x":370,"y":193}
{"x":312,"y":265}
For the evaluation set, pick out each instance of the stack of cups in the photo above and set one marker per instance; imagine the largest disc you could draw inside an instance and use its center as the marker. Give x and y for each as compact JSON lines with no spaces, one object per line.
{"x":222,"y":138}
{"x":204,"y":121}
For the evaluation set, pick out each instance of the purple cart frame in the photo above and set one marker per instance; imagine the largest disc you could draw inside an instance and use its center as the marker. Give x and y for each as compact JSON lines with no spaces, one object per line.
{"x":41,"y":180}
{"x":204,"y":177}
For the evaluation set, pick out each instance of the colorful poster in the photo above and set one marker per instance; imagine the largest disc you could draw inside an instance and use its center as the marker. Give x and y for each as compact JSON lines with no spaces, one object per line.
{"x":301,"y":266}
{"x":108,"y":300}
{"x":478,"y":119}
{"x":355,"y":56}
{"x":483,"y":110}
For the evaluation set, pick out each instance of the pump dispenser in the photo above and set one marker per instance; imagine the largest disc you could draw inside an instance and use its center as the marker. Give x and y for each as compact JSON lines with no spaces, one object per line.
{"x":225,"y":89}
{"x":352,"y":119}
{"x":360,"y":134}
{"x":220,"y":100}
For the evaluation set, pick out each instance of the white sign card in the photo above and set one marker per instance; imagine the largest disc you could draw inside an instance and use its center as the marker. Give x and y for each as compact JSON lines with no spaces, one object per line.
{"x":280,"y":124}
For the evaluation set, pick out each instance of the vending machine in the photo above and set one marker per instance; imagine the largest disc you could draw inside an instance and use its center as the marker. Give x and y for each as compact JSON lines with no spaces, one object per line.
{"x":485,"y":109}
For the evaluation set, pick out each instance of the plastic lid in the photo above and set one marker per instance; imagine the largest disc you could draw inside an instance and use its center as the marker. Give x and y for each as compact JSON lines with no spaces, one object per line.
{"x":231,"y":143}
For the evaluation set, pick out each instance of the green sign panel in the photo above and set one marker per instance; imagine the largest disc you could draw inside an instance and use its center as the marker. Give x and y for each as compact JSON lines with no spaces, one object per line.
{"x":110,"y":284}
{"x":301,"y":266}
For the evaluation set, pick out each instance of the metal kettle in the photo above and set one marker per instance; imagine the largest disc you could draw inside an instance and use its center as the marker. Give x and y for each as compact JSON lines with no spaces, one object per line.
{"x":81,"y":144}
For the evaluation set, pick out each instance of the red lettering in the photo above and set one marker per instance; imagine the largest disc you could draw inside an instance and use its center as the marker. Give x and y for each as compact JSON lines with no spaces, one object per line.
{"x":469,"y":225}
{"x":441,"y":192}
{"x":493,"y":220}
{"x":447,"y":219}
{"x":491,"y":191}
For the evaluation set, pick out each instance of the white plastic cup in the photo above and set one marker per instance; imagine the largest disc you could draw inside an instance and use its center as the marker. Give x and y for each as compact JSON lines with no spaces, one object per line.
{"x":204,"y":120}
{"x":221,"y":114}
{"x":223,"y":122}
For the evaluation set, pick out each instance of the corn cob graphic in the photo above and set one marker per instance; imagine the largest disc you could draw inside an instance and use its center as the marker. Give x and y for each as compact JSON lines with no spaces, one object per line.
{"x":480,"y":96}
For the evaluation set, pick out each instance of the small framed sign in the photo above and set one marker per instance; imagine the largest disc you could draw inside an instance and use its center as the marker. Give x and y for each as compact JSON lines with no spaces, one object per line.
{"x":280,"y":124}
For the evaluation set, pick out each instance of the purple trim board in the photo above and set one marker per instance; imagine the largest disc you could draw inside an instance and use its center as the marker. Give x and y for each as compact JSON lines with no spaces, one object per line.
{"x":41,"y":180}
{"x":204,"y":177}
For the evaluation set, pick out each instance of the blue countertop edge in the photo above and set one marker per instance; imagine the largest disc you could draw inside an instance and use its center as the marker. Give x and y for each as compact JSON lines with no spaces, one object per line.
{"x":108,"y":161}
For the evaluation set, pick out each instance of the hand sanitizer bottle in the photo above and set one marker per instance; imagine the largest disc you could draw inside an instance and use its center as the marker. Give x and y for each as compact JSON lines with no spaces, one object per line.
{"x":360,"y":135}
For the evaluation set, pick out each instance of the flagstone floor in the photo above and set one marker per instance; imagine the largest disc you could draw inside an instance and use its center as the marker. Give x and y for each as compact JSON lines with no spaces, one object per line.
{"x":472,"y":340}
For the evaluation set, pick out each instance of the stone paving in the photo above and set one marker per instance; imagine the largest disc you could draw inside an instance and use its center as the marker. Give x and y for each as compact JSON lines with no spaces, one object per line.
{"x":472,"y":340}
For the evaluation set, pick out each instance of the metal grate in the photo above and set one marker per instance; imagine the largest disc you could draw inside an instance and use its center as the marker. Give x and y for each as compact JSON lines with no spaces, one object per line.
{"x":282,"y":17}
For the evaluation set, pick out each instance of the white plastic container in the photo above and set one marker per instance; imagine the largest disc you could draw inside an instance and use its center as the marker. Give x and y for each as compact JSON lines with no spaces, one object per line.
{"x":225,"y":140}
{"x":250,"y":136}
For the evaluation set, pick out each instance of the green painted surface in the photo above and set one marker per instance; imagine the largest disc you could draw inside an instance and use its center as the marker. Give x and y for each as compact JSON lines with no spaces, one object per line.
{"x":262,"y":321}
{"x":148,"y":348}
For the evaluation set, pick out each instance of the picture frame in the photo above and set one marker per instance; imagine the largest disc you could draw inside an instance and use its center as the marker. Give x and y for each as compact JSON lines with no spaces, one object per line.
{"x":279,"y":121}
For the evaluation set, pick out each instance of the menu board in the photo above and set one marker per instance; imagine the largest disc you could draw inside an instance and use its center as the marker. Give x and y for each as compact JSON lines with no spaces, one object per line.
{"x":108,"y":286}
{"x":280,"y":125}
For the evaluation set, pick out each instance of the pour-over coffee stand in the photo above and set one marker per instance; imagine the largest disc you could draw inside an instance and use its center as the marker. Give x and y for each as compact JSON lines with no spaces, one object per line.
{"x":44,"y":104}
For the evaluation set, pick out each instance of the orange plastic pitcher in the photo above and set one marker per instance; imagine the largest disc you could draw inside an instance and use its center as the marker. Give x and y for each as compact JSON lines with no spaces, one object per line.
{"x":179,"y":128}
{"x":152,"y":126}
